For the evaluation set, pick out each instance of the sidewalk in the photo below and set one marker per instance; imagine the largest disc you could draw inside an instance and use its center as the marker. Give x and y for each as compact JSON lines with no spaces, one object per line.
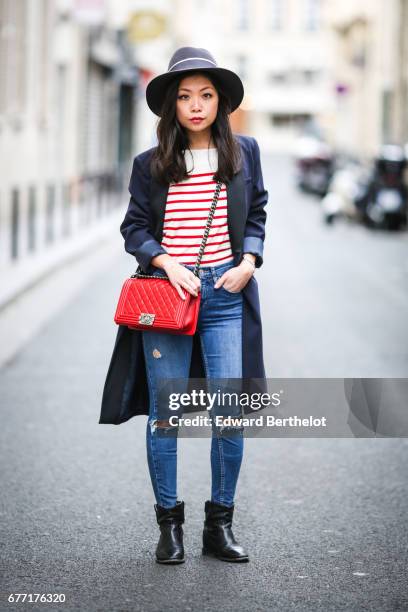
{"x":23,"y":274}
{"x":32,"y":292}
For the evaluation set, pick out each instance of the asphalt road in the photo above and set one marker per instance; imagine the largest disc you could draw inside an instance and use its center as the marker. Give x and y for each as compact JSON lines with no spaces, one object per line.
{"x":335,"y":299}
{"x":324,"y":521}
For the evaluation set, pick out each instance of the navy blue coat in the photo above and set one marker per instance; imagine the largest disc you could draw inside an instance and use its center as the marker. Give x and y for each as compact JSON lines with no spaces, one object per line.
{"x":125,"y":392}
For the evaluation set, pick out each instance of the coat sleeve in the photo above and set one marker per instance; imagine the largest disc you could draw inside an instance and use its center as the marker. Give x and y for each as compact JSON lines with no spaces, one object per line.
{"x":254,"y":234}
{"x":135,"y":227}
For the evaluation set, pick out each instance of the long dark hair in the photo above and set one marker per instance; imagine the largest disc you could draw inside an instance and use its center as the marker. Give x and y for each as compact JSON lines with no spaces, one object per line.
{"x":168,"y":163}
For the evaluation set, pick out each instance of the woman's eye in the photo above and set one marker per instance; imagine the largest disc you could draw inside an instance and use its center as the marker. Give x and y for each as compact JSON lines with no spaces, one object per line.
{"x":186,"y":96}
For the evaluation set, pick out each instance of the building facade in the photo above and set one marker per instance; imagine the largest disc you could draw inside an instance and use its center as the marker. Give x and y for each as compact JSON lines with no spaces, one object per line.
{"x":67,"y":91}
{"x":370,"y":72}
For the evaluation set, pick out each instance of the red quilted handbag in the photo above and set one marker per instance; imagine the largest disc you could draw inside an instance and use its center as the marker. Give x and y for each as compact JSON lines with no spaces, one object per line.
{"x":151,"y":302}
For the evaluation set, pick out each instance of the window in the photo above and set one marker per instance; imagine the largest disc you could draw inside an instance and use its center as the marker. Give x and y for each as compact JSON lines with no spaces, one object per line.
{"x":289,"y":121}
{"x":278,"y":78}
{"x":13,"y":65}
{"x":275,"y":8}
{"x":242,"y":69}
{"x":243,"y":14}
{"x":312,"y":10}
{"x":310,"y":76}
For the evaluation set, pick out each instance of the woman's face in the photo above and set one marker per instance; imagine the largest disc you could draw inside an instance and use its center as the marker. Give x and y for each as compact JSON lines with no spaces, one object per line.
{"x":196,"y":98}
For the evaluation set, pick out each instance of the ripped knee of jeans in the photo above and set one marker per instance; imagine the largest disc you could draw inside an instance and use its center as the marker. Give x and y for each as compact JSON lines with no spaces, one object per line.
{"x":162,"y":426}
{"x":229,"y":425}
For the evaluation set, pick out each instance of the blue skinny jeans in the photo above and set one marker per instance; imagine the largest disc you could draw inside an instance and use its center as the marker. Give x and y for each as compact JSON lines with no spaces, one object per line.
{"x":168,"y":356}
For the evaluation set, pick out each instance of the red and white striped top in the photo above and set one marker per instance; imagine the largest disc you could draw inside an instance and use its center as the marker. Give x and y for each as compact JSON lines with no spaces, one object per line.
{"x":187,"y":207}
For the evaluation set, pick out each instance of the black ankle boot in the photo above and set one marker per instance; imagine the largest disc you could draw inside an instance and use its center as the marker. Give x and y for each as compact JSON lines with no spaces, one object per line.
{"x":218,"y":539}
{"x":170,"y":548}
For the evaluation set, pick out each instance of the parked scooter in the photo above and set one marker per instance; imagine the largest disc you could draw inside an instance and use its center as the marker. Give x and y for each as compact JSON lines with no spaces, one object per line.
{"x":384,"y":204}
{"x":346,"y":191}
{"x":314,"y":165}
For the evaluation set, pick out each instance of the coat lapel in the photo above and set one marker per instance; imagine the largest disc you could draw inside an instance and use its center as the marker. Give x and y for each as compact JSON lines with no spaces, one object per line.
{"x":235,"y":209}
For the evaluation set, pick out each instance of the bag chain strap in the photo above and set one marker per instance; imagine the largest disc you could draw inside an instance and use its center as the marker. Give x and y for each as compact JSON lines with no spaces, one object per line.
{"x":137,"y":274}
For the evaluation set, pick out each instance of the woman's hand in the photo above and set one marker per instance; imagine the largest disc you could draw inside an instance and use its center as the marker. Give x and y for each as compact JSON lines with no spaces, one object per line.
{"x":180,"y":276}
{"x":235,"y":278}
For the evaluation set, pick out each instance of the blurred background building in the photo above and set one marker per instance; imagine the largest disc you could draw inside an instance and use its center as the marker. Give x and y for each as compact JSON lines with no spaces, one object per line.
{"x":369,"y":73}
{"x":73,"y":75}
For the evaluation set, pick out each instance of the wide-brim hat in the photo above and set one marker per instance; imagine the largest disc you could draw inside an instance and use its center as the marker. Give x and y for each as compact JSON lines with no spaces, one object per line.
{"x":189,"y":59}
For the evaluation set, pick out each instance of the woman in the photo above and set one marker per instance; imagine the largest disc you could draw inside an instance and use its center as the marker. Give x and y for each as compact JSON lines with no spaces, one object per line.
{"x":171,"y":189}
